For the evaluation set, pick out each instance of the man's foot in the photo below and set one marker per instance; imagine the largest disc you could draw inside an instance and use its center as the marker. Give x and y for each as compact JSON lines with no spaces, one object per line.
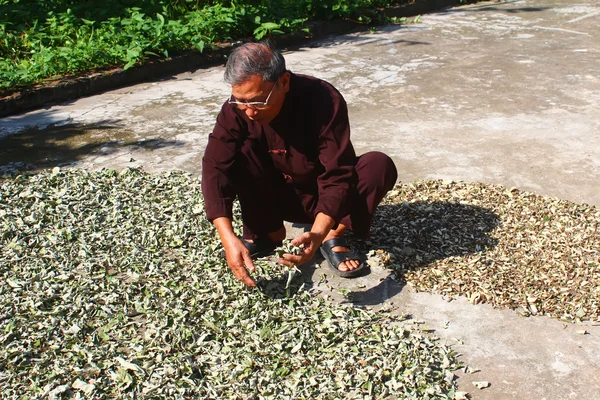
{"x":341,"y":258}
{"x":261,"y":247}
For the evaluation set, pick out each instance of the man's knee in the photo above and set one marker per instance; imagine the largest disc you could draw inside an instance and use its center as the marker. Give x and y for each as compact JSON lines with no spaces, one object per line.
{"x":377,"y":168}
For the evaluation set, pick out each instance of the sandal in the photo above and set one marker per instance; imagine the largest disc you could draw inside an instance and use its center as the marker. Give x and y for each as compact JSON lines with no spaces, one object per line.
{"x":335,"y":258}
{"x":261,"y":247}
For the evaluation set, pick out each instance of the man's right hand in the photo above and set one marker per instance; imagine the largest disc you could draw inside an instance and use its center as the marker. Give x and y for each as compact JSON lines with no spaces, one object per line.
{"x":239,"y":260}
{"x":236,"y":252}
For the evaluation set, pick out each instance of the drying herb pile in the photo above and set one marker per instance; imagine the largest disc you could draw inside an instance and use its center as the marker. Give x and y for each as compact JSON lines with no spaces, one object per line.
{"x":510,"y":248}
{"x":114,"y":286}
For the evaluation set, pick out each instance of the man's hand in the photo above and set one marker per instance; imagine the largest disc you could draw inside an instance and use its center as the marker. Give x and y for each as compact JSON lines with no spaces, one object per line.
{"x":236,"y":253}
{"x":239,"y":260}
{"x":310,"y":241}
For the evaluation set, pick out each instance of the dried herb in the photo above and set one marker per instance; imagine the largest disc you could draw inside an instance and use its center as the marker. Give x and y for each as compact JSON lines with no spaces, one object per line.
{"x":115,"y":287}
{"x":513,"y":249}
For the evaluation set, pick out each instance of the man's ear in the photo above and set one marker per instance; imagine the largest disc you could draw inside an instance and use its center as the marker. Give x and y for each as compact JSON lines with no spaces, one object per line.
{"x":285,"y":81}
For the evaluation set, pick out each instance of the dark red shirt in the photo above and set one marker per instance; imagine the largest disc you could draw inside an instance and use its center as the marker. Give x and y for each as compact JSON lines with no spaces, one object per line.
{"x":308,"y":142}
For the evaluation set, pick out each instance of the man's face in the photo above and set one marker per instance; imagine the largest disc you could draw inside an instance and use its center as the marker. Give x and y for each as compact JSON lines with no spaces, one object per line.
{"x":256,"y":90}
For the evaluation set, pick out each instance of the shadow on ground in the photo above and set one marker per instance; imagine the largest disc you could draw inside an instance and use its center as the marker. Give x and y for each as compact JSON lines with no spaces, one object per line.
{"x":416,"y":235}
{"x":419,"y":234}
{"x":36,"y":149}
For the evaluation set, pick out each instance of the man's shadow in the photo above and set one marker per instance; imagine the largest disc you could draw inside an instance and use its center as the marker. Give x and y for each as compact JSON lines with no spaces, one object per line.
{"x":416,"y":235}
{"x":419,"y":234}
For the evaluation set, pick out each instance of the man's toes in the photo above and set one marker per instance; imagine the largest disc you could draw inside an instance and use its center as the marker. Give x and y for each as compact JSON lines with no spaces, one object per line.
{"x":348,"y":265}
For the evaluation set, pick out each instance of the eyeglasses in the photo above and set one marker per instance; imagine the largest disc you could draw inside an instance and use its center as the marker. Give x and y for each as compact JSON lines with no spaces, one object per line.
{"x":256,"y":105}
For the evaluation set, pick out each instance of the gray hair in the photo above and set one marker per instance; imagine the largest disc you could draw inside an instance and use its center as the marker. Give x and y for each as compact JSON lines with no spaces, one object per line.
{"x":254,"y":59}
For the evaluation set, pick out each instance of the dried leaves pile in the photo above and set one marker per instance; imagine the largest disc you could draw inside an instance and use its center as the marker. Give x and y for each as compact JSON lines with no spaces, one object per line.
{"x":510,"y":248}
{"x":114,"y":286}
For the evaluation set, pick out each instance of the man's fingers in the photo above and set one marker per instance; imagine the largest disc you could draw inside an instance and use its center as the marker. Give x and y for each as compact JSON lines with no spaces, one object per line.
{"x":286,"y":262}
{"x":248,"y":281}
{"x":302,"y":239}
{"x":242,"y":275}
{"x":248,"y":262}
{"x":240,"y":263}
{"x":290,"y":260}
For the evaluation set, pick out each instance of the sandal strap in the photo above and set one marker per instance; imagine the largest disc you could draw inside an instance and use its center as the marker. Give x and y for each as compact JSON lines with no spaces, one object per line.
{"x":331,"y":243}
{"x":339,"y":257}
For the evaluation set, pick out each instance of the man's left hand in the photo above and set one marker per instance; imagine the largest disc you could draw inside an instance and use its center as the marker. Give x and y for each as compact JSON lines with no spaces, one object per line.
{"x":311,"y":242}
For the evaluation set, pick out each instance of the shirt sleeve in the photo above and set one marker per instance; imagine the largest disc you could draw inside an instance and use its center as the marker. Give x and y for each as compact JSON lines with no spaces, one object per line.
{"x":337,"y":156}
{"x":218,"y":162}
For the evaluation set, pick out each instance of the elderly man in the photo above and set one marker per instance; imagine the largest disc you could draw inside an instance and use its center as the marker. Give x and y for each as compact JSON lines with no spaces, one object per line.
{"x":281,"y":144}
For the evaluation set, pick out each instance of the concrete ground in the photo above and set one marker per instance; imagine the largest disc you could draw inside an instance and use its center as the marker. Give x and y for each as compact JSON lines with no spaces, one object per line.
{"x":495,"y":92}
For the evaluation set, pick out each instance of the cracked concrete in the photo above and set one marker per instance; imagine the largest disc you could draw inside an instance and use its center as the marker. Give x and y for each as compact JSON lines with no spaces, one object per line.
{"x":499,"y":92}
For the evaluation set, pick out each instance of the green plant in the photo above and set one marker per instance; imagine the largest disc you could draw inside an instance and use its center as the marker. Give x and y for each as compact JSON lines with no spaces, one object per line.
{"x":41,"y":39}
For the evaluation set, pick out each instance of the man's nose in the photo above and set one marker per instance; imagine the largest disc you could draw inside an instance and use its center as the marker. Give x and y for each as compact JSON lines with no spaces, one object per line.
{"x":250,"y":112}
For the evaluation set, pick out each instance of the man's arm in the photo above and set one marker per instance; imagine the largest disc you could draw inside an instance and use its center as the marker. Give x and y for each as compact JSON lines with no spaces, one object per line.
{"x":336,"y":154}
{"x":218,"y":163}
{"x":218,"y":191}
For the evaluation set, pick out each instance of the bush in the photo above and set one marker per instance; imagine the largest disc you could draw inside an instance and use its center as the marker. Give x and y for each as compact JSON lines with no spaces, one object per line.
{"x":46,"y":38}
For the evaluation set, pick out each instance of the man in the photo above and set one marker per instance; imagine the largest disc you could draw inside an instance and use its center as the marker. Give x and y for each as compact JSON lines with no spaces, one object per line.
{"x":281,"y":144}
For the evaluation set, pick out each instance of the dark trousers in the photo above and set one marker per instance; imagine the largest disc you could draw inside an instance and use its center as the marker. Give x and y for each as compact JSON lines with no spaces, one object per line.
{"x":267,"y":200}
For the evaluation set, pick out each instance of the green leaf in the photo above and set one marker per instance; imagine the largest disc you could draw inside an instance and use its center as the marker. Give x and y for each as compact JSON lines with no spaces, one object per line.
{"x":259,"y":33}
{"x":133,"y":53}
{"x":102,"y":335}
{"x":270,"y":25}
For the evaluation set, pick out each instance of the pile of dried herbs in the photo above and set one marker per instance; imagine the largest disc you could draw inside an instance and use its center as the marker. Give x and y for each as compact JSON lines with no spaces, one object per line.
{"x":507,"y":247}
{"x":114,"y":286}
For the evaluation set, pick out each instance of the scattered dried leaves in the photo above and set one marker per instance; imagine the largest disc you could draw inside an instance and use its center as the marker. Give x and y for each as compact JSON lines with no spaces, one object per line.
{"x":115,"y":288}
{"x":506,"y":247}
